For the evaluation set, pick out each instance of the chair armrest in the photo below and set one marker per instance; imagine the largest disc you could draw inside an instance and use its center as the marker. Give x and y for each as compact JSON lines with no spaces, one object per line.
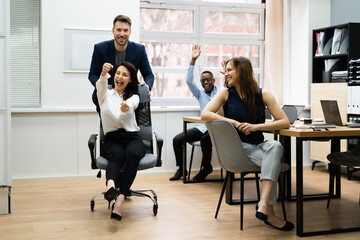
{"x":92,"y":148}
{"x":159,"y":145}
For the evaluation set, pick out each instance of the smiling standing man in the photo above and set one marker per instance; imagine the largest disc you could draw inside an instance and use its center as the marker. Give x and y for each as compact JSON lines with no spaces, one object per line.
{"x":198,"y":133}
{"x":118,"y":50}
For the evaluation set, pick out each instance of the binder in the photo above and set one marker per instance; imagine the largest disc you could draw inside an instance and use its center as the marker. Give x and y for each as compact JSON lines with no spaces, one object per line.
{"x":353,"y":99}
{"x":357,"y":100}
{"x":327,"y":48}
{"x":320,"y":38}
{"x":344,"y":41}
{"x":336,"y":41}
{"x":349,"y":99}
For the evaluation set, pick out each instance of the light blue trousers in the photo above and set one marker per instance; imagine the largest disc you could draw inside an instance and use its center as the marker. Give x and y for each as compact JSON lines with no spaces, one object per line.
{"x":267,"y":155}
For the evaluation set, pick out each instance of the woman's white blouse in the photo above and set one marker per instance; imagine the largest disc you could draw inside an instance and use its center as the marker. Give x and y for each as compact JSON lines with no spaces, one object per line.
{"x":110,"y":103}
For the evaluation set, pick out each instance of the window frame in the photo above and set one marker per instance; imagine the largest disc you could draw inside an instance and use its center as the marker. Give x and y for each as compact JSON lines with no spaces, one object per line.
{"x":199,"y":36}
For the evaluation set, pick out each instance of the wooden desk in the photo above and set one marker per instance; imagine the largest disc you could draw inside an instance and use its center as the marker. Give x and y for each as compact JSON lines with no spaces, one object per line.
{"x":334,"y":135}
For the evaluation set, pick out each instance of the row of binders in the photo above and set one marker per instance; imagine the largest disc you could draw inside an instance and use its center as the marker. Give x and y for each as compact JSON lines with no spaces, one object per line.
{"x":337,"y":43}
{"x":354,"y":71}
{"x":353,"y":99}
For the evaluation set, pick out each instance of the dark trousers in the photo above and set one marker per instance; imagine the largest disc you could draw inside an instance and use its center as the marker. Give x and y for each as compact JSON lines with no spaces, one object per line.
{"x":122,"y":149}
{"x":193,"y":135}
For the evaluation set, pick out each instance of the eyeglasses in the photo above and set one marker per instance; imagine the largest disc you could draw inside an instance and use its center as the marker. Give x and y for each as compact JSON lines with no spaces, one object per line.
{"x":206,"y":80}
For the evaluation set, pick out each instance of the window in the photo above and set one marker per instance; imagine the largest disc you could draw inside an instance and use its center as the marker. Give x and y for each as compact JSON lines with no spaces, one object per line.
{"x":224,"y":29}
{"x":25,"y":53}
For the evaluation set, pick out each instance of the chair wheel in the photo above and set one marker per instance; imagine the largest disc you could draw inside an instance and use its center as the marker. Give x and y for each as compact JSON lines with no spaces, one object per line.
{"x":155,"y":209}
{"x":92,"y":205}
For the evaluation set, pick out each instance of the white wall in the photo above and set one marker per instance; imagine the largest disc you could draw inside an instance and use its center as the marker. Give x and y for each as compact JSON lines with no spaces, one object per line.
{"x":73,"y":90}
{"x":301,"y":17}
{"x":304,"y":16}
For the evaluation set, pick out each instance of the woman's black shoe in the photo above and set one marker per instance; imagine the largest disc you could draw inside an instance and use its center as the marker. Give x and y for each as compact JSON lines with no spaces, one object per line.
{"x":110,"y":194}
{"x":115,"y":216}
{"x":261,"y":216}
{"x":287,"y":227}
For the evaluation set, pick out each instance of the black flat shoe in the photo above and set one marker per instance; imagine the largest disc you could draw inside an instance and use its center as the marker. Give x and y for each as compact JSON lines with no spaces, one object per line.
{"x":110,"y":194}
{"x":115,"y":216}
{"x":261,"y":216}
{"x":287,"y":227}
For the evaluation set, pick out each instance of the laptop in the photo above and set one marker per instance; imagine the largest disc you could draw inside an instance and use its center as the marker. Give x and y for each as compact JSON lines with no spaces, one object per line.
{"x":332,"y":114}
{"x":293,"y":112}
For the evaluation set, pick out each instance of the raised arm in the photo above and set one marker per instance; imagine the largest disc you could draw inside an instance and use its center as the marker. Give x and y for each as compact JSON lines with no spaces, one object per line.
{"x":101,"y":84}
{"x":195,"y":53}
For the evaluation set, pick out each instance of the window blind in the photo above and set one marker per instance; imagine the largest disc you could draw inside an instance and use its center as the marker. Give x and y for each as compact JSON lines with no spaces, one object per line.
{"x":25,"y":53}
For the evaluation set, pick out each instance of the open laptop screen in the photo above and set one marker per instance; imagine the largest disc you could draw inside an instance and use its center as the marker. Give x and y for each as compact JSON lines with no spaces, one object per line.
{"x":293,"y":112}
{"x":331,"y":112}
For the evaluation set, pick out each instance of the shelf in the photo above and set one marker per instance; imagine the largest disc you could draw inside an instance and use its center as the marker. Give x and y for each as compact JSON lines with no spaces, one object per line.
{"x":341,"y":55}
{"x":349,"y":51}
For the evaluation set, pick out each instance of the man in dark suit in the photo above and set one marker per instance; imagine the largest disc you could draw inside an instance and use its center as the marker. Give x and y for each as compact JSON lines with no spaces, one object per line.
{"x":118,"y":50}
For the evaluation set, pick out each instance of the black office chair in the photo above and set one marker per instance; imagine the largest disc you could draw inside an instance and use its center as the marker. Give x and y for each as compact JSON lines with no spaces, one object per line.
{"x":349,"y":159}
{"x":150,"y":160}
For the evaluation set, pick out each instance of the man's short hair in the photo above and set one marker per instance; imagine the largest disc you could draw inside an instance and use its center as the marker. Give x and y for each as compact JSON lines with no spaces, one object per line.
{"x":122,"y":18}
{"x":204,"y":72}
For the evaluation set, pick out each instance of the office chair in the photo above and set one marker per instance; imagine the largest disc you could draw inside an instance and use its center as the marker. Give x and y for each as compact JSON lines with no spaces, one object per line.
{"x":193,"y":145}
{"x":348,"y":159}
{"x":150,"y":160}
{"x":231,"y":155}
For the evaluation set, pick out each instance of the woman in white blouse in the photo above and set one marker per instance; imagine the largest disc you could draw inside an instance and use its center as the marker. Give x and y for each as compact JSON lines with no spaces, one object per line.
{"x":122,"y":145}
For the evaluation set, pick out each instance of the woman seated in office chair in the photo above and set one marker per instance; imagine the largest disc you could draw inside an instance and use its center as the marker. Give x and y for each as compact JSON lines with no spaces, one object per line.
{"x":244,"y":103}
{"x":122,"y":145}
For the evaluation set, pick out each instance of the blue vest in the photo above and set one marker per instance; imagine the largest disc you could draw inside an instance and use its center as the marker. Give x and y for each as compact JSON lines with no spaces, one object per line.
{"x":236,"y":109}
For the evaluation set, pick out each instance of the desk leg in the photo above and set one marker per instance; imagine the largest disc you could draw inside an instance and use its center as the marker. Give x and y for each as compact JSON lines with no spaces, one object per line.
{"x":299,"y":188}
{"x":184,"y":151}
{"x":286,"y":143}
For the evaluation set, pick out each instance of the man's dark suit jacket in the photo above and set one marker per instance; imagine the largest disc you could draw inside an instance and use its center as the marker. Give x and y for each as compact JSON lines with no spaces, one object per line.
{"x":105,"y":52}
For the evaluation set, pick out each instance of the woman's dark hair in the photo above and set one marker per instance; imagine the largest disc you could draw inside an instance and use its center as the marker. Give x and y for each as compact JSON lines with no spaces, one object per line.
{"x":132,"y":87}
{"x":249,"y":88}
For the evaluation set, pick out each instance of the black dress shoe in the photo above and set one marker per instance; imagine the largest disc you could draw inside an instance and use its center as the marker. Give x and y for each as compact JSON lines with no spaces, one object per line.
{"x":110,"y":194}
{"x":115,"y":216}
{"x":203,"y":173}
{"x":287,"y":227}
{"x":177,"y":175}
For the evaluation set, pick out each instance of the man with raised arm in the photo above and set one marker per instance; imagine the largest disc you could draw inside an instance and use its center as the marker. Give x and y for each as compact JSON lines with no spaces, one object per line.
{"x":198,"y":133}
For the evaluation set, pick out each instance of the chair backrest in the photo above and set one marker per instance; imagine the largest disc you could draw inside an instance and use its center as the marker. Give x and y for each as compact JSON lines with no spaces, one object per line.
{"x":143,"y":118}
{"x":228,"y":147}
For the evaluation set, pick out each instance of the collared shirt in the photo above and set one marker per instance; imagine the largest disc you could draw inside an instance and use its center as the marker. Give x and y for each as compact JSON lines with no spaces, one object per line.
{"x":199,"y":93}
{"x":110,"y":102}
